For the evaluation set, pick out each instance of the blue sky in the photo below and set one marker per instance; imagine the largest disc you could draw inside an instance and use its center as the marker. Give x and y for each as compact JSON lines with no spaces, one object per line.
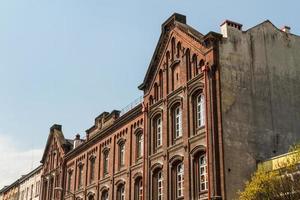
{"x":67,"y":61}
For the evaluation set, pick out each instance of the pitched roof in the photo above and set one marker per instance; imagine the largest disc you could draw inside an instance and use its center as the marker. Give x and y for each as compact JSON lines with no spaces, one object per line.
{"x":176,"y":20}
{"x":56,"y":130}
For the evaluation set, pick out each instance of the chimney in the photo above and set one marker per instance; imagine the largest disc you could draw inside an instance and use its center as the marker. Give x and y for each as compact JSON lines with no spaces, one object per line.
{"x":229,"y":26}
{"x":286,"y":29}
{"x":77,"y":141}
{"x":55,"y":127}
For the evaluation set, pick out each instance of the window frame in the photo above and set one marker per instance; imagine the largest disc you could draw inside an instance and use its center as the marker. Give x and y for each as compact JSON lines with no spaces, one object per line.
{"x":121,"y":154}
{"x":200,"y":110}
{"x":177,"y":121}
{"x":105,"y":162}
{"x":80,"y":176}
{"x":180,"y":180}
{"x":139,"y":145}
{"x":92,"y":169}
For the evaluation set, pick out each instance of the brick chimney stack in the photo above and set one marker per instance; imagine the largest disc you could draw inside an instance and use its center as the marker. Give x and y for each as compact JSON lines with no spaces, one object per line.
{"x":77,"y":141}
{"x":286,"y":29}
{"x":228,"y":27}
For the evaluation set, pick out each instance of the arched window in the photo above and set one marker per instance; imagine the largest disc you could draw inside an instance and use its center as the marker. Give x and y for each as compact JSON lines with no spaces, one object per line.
{"x":138,"y":188}
{"x":200,"y":111}
{"x":105,"y":162}
{"x":91,"y":197}
{"x":104,"y":195}
{"x":92,"y":169}
{"x":157,"y":132}
{"x":157,"y":185}
{"x":121,"y":192}
{"x":121,"y":154}
{"x":139,"y":144}
{"x":177,"y":121}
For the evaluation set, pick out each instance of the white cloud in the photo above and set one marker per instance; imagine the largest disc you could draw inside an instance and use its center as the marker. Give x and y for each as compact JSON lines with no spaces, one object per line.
{"x":15,"y":162}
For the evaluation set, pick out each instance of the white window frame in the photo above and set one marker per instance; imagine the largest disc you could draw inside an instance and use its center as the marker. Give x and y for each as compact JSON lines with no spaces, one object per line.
{"x":158,"y":132}
{"x":122,"y":154}
{"x":180,"y":180}
{"x":200,"y":111}
{"x":140,"y":150}
{"x":159,"y":185}
{"x":104,"y":196}
{"x":203,"y":173}
{"x":178,"y":122}
{"x":105,"y":162}
{"x":122,"y":192}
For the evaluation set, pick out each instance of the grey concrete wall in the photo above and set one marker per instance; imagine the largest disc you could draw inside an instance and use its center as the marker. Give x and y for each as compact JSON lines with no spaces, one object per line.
{"x":260,"y":88}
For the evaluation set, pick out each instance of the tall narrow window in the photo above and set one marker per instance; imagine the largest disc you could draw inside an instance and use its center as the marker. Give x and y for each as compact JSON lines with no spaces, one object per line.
{"x":180,"y":180}
{"x":159,"y":185}
{"x":92,"y":169}
{"x":105,"y":162}
{"x":203,"y":173}
{"x":121,"y":192}
{"x":177,"y":122}
{"x":158,"y":132}
{"x":200,"y":111}
{"x":161,"y":85}
{"x":156,"y":97}
{"x":139,"y":145}
{"x":37,"y":188}
{"x":138,"y":189}
{"x":80,"y":174}
{"x":70,"y":173}
{"x":31,"y":192}
{"x":121,"y":154}
{"x":104,"y":195}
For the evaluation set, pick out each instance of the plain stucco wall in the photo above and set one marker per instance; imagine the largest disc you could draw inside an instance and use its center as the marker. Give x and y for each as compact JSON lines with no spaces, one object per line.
{"x":260,"y":88}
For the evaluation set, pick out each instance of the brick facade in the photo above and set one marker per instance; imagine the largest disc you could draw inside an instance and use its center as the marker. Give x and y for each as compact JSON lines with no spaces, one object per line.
{"x":195,"y":134}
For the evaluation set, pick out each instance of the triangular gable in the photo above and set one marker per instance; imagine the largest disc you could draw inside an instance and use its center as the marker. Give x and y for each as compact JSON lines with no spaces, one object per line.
{"x":176,"y":20}
{"x":56,"y":132}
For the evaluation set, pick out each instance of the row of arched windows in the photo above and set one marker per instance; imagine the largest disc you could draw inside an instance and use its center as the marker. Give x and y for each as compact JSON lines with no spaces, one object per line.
{"x":198,"y":176}
{"x":120,"y":191}
{"x":105,"y":162}
{"x":175,"y":111}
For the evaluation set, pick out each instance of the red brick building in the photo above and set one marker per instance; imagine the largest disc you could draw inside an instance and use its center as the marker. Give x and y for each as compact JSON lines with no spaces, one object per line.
{"x":182,"y":141}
